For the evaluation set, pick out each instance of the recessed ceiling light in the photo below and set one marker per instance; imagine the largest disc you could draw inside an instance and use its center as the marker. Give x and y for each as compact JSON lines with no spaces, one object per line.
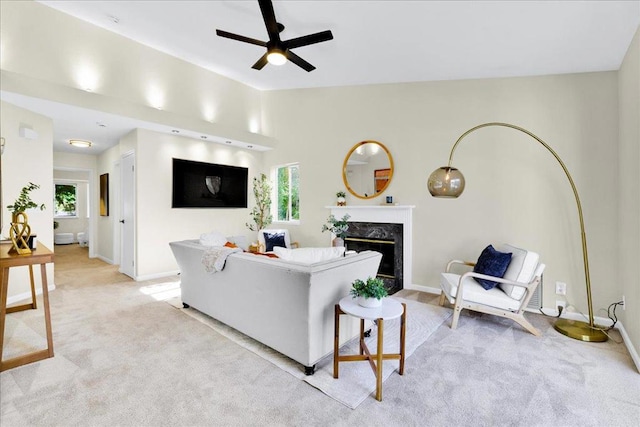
{"x":80,"y":143}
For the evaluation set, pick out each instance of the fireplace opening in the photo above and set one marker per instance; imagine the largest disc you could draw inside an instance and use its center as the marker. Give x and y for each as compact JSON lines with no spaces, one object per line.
{"x":385,"y":247}
{"x":385,"y":238}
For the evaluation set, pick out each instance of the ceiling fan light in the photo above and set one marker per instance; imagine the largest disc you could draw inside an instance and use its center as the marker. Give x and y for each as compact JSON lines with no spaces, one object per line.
{"x":80,"y":143}
{"x":276,"y":57}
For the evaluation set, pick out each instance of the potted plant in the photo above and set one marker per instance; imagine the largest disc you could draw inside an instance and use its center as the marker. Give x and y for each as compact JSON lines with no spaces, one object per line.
{"x":340,"y":198}
{"x":369,"y":293}
{"x":338,"y":227}
{"x":261,"y":212}
{"x":20,"y":230}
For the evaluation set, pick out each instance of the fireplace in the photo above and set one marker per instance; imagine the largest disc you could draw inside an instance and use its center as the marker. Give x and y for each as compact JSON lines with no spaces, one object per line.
{"x":386,"y":229}
{"x":385,"y":238}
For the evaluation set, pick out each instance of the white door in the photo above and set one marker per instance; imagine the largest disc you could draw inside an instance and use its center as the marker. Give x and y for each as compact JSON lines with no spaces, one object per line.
{"x":127,"y":220}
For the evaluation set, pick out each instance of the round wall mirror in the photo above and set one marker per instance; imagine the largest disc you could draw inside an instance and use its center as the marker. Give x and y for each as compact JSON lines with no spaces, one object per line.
{"x":367,"y":169}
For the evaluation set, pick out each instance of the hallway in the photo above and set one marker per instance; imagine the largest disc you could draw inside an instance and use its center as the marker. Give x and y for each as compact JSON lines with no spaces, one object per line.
{"x":74,"y":268}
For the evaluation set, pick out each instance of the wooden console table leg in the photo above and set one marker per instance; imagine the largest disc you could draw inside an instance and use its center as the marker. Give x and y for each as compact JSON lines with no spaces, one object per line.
{"x":34,"y":303}
{"x":361,"y":336}
{"x":4,"y":287}
{"x":379,"y":360}
{"x":47,"y":311}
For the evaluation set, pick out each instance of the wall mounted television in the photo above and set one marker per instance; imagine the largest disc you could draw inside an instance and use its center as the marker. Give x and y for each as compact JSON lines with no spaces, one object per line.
{"x":208,"y":185}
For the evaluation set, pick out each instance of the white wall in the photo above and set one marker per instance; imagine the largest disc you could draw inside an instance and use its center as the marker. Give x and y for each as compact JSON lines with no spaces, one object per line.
{"x":24,"y":161}
{"x":516,"y":191}
{"x":629,"y":200}
{"x":157,"y":223}
{"x":107,"y":247}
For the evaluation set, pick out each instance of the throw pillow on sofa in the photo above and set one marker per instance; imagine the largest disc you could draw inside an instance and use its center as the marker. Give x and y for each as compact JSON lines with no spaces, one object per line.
{"x":492,"y":263}
{"x":272,"y":240}
{"x":309,"y":255}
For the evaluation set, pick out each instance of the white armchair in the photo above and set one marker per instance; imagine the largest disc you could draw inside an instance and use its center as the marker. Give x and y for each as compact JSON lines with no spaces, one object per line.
{"x":277,"y":234}
{"x":508,"y":299}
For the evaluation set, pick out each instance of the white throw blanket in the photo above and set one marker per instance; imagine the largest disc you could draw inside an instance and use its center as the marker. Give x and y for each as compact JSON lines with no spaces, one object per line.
{"x":214,"y":257}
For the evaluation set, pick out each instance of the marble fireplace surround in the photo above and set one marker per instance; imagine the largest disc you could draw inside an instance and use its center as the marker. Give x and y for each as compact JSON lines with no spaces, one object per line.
{"x":393,"y":214}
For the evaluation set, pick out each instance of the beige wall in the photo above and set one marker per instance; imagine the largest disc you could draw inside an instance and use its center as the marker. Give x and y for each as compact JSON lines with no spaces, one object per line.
{"x":157,"y":223}
{"x":108,"y":227}
{"x":629,"y":200}
{"x":24,"y":161}
{"x":516,"y":191}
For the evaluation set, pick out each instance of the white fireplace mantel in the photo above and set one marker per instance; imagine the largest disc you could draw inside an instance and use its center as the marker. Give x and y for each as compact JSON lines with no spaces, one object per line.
{"x":392,"y":214}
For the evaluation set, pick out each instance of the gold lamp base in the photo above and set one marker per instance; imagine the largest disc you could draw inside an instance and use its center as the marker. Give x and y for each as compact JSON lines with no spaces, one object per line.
{"x":579,"y":330}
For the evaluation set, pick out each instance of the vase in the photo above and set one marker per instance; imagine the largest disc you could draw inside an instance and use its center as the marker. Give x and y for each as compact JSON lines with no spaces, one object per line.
{"x":337,"y":242}
{"x":341,"y":201}
{"x":20,"y":232}
{"x":369,"y":302}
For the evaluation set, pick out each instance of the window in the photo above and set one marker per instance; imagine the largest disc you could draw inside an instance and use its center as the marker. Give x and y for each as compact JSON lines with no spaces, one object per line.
{"x":287,"y":187}
{"x":65,"y":200}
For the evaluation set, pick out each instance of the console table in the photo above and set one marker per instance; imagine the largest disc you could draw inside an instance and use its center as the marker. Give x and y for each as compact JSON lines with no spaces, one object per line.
{"x":9,"y":258}
{"x":390,"y":309}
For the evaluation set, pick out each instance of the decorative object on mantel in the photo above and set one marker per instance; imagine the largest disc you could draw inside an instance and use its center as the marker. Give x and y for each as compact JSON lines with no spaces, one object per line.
{"x":340,"y":198}
{"x":338,"y":227}
{"x":367,"y":169}
{"x":20,"y":230}
{"x":448,"y":182}
{"x":261,"y":212}
{"x":369,"y":293}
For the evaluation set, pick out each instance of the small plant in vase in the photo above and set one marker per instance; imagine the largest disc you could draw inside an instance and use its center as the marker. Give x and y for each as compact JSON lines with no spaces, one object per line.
{"x":20,"y":229}
{"x":338,"y":227}
{"x":340,"y":198}
{"x":369,"y":293}
{"x":261,"y":212}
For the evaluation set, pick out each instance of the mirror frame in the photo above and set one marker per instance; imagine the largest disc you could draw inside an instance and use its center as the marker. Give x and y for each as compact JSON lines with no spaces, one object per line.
{"x":344,"y":169}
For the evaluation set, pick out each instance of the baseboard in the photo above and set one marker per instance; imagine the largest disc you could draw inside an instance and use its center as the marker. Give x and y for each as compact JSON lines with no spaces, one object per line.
{"x":422,"y":288}
{"x":107,"y":260}
{"x":156,"y":276}
{"x":630,"y":348}
{"x":26,"y":296}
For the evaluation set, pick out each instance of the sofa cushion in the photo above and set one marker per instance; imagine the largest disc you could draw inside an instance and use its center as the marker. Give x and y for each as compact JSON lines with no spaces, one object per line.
{"x":214,"y":238}
{"x":262,"y":238}
{"x":473,"y":292}
{"x":492,"y":263}
{"x":309,"y":255}
{"x":521,"y":269}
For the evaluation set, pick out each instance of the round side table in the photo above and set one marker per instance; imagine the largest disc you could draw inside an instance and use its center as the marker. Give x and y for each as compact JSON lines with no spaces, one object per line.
{"x":390,"y":309}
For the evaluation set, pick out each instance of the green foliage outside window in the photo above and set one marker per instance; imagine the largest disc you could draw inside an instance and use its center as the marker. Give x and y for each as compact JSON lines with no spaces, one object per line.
{"x":288,"y":193}
{"x":65,"y":200}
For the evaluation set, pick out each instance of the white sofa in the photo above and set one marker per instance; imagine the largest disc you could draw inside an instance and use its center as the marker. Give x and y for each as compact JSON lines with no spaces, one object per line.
{"x":285,"y":305}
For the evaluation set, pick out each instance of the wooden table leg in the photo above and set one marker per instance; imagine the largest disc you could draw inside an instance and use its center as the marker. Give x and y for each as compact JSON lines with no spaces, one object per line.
{"x":379,"y":360}
{"x":336,"y":340}
{"x":47,"y":311}
{"x":361,"y":336}
{"x":4,"y":276}
{"x":34,"y":302}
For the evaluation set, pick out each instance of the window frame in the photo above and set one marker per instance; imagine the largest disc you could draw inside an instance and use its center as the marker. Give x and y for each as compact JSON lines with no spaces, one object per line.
{"x":275,"y":192}
{"x":55,"y":211}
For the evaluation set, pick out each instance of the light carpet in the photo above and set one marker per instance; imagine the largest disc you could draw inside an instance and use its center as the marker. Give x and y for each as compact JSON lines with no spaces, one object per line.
{"x":357,"y":380}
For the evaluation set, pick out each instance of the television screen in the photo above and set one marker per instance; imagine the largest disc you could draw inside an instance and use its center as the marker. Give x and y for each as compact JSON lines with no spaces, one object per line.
{"x":208,"y":185}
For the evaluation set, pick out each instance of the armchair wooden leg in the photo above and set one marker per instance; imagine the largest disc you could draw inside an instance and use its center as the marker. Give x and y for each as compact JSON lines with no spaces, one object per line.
{"x":525,"y":324}
{"x":456,"y":316}
{"x":441,"y":300}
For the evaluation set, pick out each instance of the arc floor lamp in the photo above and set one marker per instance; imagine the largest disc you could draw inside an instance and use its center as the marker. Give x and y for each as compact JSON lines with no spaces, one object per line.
{"x":448,"y":182}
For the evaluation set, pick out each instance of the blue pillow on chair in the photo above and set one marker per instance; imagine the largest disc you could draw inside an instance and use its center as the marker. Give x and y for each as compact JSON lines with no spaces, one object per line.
{"x":274,"y":239}
{"x":492,"y":263}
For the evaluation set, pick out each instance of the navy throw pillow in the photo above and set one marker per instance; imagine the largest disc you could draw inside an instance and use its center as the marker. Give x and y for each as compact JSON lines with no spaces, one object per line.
{"x":492,"y":263}
{"x":274,"y":239}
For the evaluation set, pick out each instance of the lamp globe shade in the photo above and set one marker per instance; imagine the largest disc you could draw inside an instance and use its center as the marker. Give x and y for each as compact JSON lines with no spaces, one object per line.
{"x":446,"y":182}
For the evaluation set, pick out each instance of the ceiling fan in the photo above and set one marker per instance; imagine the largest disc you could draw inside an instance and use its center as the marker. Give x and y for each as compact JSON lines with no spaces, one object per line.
{"x":279,"y":51}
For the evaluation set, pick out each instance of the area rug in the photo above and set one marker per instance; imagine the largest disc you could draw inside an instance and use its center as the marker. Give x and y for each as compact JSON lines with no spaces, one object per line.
{"x":357,"y":381}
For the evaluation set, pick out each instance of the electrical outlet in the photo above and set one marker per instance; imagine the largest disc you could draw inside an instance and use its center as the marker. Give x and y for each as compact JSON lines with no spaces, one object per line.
{"x":624,"y":304}
{"x":561,"y":288}
{"x":561,"y":303}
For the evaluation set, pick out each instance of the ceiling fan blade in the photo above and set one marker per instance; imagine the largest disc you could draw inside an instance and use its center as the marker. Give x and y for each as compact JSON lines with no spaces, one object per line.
{"x":322,"y":36}
{"x":259,"y":65}
{"x":299,"y":61}
{"x":269,"y":16}
{"x":240,"y":38}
